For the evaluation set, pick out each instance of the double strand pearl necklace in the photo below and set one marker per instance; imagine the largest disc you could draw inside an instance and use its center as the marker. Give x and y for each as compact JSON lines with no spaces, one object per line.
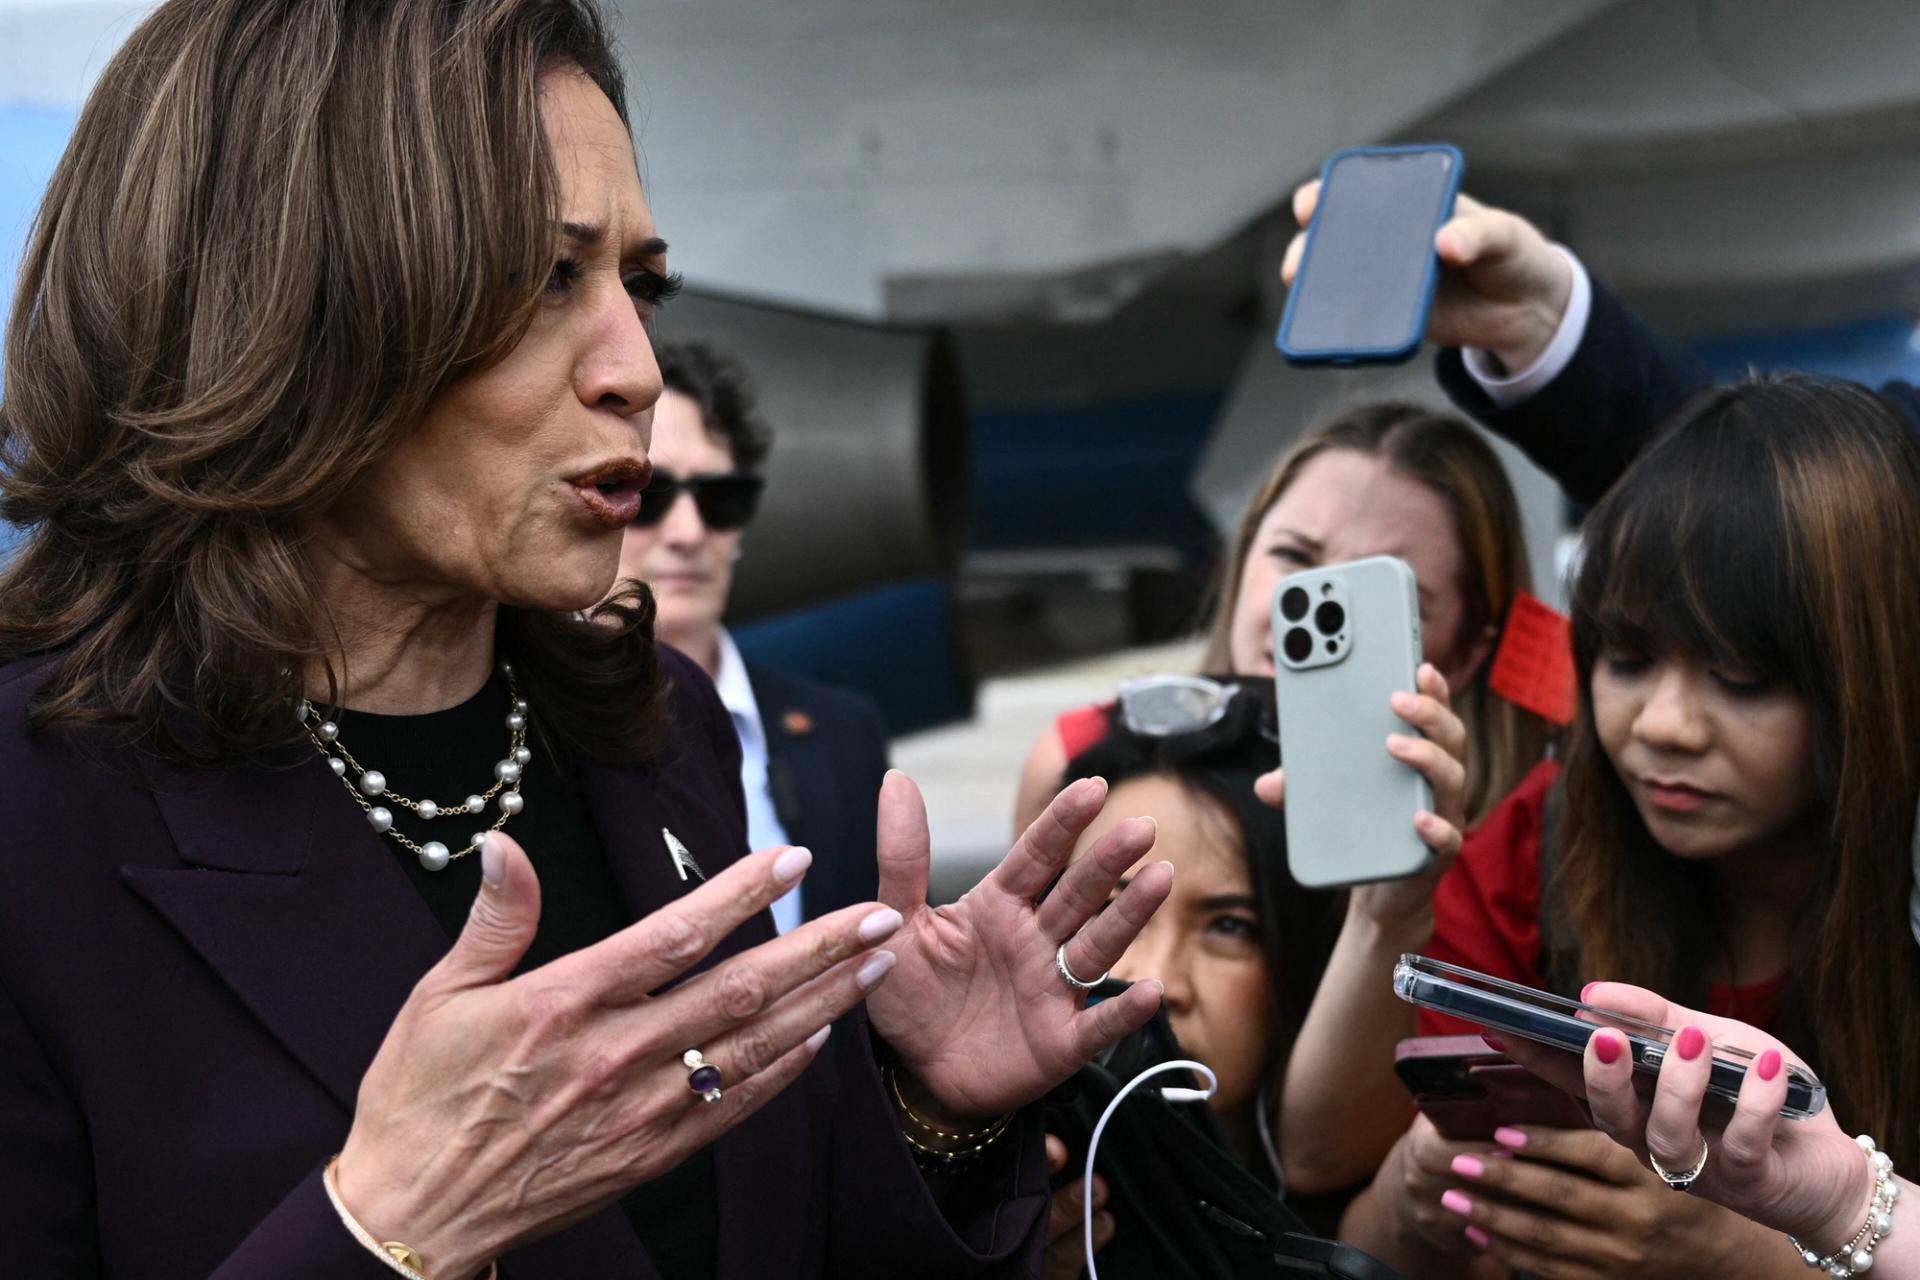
{"x":369,"y":789}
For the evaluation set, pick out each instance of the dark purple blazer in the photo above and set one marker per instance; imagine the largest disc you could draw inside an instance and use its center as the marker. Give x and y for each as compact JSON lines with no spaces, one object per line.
{"x":194,"y":975}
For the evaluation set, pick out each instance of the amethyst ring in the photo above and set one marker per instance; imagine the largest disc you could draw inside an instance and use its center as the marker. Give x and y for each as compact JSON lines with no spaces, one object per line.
{"x":702,"y":1076}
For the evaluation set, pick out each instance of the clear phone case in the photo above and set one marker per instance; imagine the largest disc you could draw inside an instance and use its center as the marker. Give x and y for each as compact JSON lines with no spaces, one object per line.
{"x":1511,"y":1009}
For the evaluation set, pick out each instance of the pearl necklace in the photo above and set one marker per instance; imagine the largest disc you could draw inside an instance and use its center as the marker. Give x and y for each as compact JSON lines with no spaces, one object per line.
{"x":369,"y":789}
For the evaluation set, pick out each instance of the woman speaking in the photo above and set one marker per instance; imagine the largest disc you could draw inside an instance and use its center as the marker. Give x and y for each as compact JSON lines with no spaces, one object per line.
{"x":363,"y":907}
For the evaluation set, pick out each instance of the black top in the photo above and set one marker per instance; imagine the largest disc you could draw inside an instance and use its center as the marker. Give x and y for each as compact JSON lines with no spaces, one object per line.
{"x":449,"y":755}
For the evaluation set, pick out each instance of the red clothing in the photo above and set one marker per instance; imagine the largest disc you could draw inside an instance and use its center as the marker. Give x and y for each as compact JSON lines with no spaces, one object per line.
{"x":1486,"y":910}
{"x":1082,"y":727}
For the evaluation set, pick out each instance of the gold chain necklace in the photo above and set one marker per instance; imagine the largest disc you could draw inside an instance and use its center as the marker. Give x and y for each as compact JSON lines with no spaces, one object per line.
{"x":370,"y":791}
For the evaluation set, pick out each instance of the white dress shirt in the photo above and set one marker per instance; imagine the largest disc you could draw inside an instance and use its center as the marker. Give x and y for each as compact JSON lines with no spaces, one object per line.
{"x":763,"y":822}
{"x":1510,"y":388}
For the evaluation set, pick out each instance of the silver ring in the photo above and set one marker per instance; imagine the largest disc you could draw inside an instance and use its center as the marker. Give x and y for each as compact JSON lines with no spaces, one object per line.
{"x":702,"y":1076}
{"x":1681,"y":1181}
{"x":1060,"y":963}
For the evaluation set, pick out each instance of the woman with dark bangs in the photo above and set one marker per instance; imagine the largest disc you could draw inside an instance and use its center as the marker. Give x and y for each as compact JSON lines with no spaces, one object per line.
{"x":1731,"y":828}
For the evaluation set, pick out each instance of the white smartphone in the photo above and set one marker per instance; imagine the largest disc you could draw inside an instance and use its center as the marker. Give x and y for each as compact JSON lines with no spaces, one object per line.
{"x":1345,"y":639}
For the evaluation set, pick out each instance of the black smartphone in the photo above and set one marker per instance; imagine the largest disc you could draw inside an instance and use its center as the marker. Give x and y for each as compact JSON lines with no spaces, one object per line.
{"x":1511,"y":1009}
{"x":1367,"y":277}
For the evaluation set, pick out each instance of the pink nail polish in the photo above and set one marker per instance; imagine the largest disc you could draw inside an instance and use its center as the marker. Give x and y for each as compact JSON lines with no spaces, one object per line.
{"x":1606,"y":1047}
{"x":1583,"y":991}
{"x":1480,"y":1238}
{"x":1494,"y":1043}
{"x":1511,"y":1138}
{"x":1456,"y":1202}
{"x":1690,"y":1042}
{"x":1769,"y":1064}
{"x":1468,"y":1166}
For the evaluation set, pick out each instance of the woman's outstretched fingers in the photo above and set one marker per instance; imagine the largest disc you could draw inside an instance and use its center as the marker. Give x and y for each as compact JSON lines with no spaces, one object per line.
{"x":1098,"y":946}
{"x":661,"y":946}
{"x":1041,"y":850}
{"x":746,"y":986}
{"x":1087,"y":884}
{"x":749,"y":1047}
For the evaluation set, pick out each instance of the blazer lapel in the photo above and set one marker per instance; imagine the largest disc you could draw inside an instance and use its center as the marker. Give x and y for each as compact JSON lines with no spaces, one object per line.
{"x":289,"y":897}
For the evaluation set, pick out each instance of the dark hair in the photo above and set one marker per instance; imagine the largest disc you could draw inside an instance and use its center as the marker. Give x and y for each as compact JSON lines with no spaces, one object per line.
{"x":280,"y":229}
{"x":1218,"y":765}
{"x":1450,"y":458}
{"x":728,"y":403}
{"x":1775,"y":527}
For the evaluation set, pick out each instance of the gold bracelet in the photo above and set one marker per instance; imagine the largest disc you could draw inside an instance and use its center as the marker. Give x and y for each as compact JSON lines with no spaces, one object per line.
{"x":924,"y":1152}
{"x":401,"y":1258}
{"x":991,"y":1128}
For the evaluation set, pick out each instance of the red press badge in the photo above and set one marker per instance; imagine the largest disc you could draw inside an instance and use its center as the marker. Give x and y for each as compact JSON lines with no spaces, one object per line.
{"x":1534,"y":667}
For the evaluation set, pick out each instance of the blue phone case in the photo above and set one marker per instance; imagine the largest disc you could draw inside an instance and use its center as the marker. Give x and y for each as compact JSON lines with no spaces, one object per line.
{"x":1399,"y":351}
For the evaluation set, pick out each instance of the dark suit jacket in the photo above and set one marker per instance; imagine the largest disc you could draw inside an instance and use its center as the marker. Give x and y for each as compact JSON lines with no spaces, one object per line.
{"x":1624,"y":381}
{"x":195,"y":974}
{"x":826,"y":756}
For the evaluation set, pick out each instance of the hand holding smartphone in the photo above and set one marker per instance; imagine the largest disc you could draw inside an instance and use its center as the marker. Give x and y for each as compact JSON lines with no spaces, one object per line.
{"x":1346,"y":639}
{"x":1511,"y":1009}
{"x":1367,"y":276}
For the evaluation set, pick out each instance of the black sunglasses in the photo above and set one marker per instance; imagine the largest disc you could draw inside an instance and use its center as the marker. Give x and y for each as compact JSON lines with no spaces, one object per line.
{"x":725,"y":501}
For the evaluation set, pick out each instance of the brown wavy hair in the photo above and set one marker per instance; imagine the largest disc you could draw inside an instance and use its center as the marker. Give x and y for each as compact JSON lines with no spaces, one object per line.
{"x":1775,"y":526}
{"x":280,"y":229}
{"x":1449,"y":457}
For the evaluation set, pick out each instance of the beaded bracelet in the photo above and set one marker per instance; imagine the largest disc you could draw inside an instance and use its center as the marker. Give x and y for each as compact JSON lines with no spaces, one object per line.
{"x":400,"y":1258}
{"x":1856,"y":1255}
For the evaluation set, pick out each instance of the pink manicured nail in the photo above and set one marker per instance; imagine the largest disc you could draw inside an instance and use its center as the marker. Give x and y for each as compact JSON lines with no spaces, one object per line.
{"x":1583,"y":991}
{"x":1509,"y":1137}
{"x":881,"y":924}
{"x":1468,"y":1167}
{"x":791,"y":863}
{"x":877,"y":966}
{"x":1456,"y":1202}
{"x":1690,"y":1042}
{"x":493,"y":861}
{"x":1480,"y":1238}
{"x":1769,"y":1064}
{"x":1607,"y":1047}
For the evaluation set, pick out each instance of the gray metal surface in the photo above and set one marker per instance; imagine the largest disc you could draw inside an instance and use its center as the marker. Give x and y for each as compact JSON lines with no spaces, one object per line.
{"x":867,"y":482}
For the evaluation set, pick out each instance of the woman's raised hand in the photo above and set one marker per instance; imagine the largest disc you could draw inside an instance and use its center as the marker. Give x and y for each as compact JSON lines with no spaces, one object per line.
{"x":1503,"y":287}
{"x":977,"y":1011}
{"x":500,"y":1109}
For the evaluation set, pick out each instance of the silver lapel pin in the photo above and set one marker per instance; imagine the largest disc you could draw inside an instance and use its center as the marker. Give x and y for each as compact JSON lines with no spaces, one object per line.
{"x":682,"y":860}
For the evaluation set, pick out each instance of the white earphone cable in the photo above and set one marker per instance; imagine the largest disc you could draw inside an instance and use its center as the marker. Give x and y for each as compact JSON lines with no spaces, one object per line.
{"x":1171,"y":1094}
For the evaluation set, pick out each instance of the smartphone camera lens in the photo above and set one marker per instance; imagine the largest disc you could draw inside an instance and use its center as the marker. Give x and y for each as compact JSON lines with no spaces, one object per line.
{"x":1293,"y":604}
{"x":1329,"y":617}
{"x":1299,"y":644}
